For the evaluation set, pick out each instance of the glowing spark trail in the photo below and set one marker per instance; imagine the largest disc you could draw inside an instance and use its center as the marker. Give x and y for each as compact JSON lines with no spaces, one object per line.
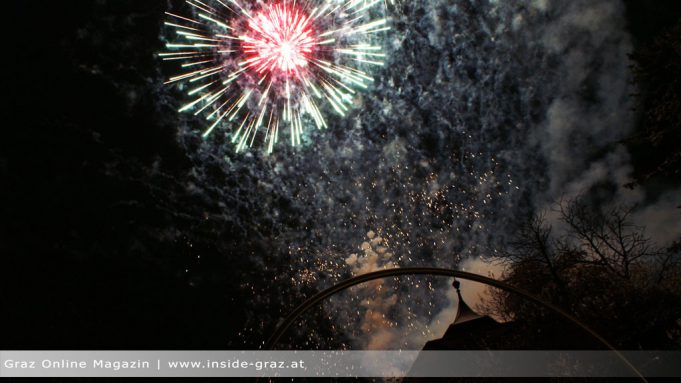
{"x":264,"y":67}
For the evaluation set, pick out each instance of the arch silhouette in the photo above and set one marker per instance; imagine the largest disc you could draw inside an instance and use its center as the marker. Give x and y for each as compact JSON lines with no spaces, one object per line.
{"x":323,"y":295}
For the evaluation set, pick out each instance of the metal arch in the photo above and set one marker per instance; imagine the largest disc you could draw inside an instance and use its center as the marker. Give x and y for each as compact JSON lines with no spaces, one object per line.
{"x":321,"y":296}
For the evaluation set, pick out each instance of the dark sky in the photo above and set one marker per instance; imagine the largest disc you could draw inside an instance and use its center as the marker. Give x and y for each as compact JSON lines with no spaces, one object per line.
{"x":80,"y":214}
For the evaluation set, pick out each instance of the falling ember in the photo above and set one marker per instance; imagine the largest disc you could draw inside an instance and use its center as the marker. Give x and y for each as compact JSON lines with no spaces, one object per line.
{"x":259,"y":68}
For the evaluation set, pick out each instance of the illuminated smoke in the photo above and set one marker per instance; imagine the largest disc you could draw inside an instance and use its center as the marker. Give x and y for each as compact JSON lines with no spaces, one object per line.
{"x":445,"y":156}
{"x":377,"y":298}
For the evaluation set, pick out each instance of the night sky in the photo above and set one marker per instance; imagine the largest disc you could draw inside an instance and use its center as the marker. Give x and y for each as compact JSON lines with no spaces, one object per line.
{"x":123,"y":228}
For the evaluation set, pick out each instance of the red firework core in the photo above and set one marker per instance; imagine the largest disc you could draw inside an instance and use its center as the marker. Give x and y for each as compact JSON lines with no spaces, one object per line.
{"x":279,"y":40}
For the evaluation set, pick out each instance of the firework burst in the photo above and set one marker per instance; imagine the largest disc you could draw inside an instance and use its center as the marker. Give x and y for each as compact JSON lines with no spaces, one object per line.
{"x":262,"y":67}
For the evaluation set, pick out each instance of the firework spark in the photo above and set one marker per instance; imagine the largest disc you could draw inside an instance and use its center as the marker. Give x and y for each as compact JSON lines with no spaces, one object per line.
{"x":263,"y":67}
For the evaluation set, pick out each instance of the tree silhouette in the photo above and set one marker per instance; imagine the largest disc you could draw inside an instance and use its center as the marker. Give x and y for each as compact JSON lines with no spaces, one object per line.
{"x":598,"y":265}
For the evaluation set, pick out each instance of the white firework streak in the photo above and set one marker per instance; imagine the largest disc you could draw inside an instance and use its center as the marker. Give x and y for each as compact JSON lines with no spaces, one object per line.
{"x":262,"y":67}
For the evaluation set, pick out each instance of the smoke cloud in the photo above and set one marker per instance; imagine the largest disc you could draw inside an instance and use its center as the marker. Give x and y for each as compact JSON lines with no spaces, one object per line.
{"x":591,"y":109}
{"x":662,"y":218}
